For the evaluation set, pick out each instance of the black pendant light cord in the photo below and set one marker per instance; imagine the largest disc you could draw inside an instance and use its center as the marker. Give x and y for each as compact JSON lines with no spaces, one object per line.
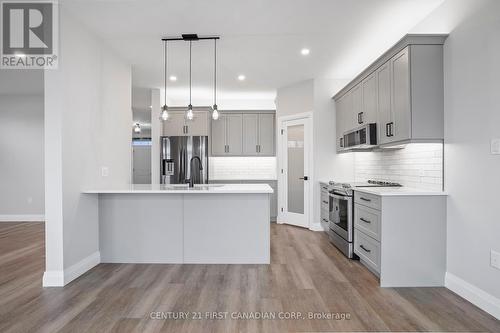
{"x":165,"y":67}
{"x":190,"y":47}
{"x":215,"y":71}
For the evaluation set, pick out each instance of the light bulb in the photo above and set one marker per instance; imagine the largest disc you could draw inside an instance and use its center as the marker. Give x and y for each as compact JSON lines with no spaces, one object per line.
{"x":189,"y":113}
{"x":215,"y":113}
{"x":164,"y":112}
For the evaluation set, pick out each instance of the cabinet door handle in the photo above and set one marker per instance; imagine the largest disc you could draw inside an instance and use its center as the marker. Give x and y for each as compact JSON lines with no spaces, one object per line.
{"x":325,"y":220}
{"x":325,"y":202}
{"x":364,"y":248}
{"x":259,"y":149}
{"x":341,"y":142}
{"x":391,"y":127}
{"x":364,"y":199}
{"x":364,"y":220}
{"x":387,"y":130}
{"x":360,"y":118}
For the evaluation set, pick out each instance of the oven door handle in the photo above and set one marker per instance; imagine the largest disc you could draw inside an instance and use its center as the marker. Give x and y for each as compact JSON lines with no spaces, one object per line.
{"x":340,"y":197}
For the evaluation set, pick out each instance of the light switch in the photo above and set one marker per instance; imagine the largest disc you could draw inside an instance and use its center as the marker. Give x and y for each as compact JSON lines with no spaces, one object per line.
{"x":495,"y":259}
{"x":495,"y":146}
{"x":104,"y":171}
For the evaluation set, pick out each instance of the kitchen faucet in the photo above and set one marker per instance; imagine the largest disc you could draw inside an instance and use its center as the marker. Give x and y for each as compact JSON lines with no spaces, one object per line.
{"x":200,"y":167}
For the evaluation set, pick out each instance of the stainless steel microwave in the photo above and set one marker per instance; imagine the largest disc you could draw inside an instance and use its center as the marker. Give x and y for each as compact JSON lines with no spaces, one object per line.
{"x":361,"y":138}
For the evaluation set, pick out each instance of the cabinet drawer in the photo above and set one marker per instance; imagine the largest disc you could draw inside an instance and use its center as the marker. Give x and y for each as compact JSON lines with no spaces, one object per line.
{"x":367,"y":249}
{"x":324,"y":215}
{"x":369,"y":200}
{"x":367,"y":220}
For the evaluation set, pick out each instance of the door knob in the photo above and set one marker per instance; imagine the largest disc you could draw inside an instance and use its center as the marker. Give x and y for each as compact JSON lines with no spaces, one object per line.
{"x":304,"y":178}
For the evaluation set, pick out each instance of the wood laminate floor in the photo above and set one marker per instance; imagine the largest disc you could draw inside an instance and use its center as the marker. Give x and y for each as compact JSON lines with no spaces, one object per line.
{"x":307,"y":275}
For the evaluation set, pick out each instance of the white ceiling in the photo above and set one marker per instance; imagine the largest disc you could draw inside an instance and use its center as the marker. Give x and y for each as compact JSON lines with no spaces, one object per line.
{"x":261,"y":39}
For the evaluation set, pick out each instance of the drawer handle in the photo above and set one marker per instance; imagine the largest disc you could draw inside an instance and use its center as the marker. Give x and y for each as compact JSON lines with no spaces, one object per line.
{"x":364,"y":248}
{"x":325,"y":202}
{"x":365,"y":199}
{"x":364,"y":220}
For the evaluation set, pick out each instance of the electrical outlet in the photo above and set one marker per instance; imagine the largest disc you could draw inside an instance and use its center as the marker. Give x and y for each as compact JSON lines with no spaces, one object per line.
{"x":495,"y":259}
{"x":495,"y":146}
{"x":104,"y":171}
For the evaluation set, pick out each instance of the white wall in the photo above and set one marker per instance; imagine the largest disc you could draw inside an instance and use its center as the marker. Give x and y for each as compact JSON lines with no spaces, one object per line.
{"x":87,"y":126}
{"x":472,"y":118}
{"x":21,"y":146}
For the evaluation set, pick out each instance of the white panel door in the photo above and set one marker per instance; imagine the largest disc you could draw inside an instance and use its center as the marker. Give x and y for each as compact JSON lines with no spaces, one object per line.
{"x":295,"y":176}
{"x":141,"y":157}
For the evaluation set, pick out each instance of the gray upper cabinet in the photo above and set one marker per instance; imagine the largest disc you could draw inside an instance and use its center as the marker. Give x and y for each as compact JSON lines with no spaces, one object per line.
{"x":226,"y":135}
{"x":178,"y":125}
{"x":174,"y":125}
{"x":402,"y":92}
{"x":244,"y":134}
{"x":250,"y":134}
{"x":384,"y":110}
{"x":356,"y":107}
{"x":234,"y":127}
{"x":267,"y":134}
{"x":218,"y":137}
{"x":369,"y":113}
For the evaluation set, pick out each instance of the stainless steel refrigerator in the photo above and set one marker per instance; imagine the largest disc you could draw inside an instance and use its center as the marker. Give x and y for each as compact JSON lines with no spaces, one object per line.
{"x":178,"y":155}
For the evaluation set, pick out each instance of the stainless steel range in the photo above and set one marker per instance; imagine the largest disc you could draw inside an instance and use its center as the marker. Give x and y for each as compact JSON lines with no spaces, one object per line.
{"x":341,"y":213}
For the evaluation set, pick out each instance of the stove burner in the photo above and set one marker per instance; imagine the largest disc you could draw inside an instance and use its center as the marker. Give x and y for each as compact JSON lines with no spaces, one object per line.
{"x":382,"y":183}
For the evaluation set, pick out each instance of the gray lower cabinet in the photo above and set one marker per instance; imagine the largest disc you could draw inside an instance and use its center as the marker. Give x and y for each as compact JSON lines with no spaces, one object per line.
{"x":272,"y":183}
{"x":244,"y":134}
{"x":401,"y":238}
{"x":226,"y":139}
{"x":324,"y":216}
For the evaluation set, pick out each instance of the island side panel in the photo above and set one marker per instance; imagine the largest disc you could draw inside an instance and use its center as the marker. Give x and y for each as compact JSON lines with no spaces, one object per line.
{"x":227,"y":228}
{"x":141,"y":228}
{"x":413,"y":241}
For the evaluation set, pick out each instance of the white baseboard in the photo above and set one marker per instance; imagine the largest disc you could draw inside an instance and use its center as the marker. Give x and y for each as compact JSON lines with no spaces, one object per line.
{"x":473,"y":294}
{"x":22,"y":218}
{"x":62,"y":278}
{"x":316,"y":227}
{"x":53,"y":279}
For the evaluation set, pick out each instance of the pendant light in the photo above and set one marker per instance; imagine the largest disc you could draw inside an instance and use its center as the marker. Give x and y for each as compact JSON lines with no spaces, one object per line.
{"x":189,"y":112}
{"x":164,"y":110}
{"x":215,"y":112}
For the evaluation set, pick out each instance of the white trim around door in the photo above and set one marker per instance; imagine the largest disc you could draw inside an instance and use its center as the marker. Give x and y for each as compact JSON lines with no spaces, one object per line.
{"x":284,"y":216}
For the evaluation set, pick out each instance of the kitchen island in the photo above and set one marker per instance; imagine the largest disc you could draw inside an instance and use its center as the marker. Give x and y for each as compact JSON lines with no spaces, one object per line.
{"x":206,"y":224}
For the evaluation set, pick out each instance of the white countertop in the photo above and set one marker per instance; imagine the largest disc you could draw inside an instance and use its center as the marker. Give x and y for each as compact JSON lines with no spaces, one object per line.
{"x":398,"y":191}
{"x":182,"y":189}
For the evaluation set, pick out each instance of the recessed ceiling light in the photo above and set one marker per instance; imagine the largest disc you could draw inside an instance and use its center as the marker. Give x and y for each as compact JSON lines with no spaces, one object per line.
{"x":305,"y":51}
{"x":241,"y":77}
{"x":173,"y":78}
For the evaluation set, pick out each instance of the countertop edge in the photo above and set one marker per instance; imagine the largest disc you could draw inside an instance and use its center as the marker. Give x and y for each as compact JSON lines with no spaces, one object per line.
{"x":400,"y":194}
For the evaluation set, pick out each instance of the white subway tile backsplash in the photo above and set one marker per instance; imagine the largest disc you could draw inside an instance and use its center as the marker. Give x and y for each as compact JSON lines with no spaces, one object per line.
{"x":238,"y":168}
{"x":418,"y":165}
